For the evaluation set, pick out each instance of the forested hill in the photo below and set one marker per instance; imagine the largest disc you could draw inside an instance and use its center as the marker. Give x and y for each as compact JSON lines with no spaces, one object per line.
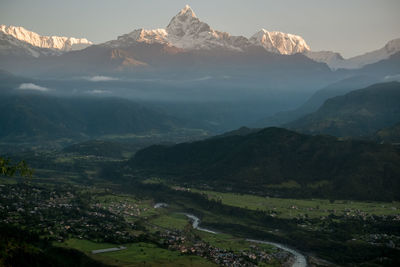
{"x":359,"y":113}
{"x":279,"y":162}
{"x":24,"y":116}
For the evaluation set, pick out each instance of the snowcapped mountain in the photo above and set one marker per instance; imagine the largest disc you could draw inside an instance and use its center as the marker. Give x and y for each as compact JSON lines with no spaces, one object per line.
{"x":336,"y":61}
{"x":139,"y":36}
{"x":184,"y":31}
{"x":174,"y":45}
{"x":63,"y":44}
{"x":279,"y":42}
{"x":11,"y":46}
{"x":188,"y":32}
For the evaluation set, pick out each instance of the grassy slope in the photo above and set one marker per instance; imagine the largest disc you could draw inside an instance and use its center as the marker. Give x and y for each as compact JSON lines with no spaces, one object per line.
{"x":314,"y":208}
{"x":137,"y":254}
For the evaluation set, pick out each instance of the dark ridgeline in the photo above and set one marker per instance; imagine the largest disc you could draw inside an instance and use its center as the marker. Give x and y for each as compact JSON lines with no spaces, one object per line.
{"x":35,"y":116}
{"x":317,"y":100}
{"x":359,"y":113}
{"x":264,"y":161}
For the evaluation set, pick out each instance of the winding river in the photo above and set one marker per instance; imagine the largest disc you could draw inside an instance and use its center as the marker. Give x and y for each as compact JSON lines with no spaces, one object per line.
{"x":299,"y":259}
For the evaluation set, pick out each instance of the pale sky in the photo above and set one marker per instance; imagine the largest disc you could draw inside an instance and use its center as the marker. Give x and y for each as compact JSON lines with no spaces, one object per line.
{"x":351,"y":27}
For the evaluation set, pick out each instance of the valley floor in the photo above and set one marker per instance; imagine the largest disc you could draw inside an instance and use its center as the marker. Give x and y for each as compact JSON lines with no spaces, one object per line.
{"x":67,"y":208}
{"x":103,"y":216}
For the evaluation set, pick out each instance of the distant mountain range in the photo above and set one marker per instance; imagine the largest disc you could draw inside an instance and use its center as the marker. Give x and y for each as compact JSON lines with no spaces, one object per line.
{"x":241,"y":79}
{"x":185,"y":45}
{"x":11,"y":47}
{"x":336,"y":61}
{"x":317,"y":99}
{"x":37,"y":117}
{"x":184,"y":34}
{"x":278,"y":162}
{"x":187,"y":32}
{"x":360,"y":113}
{"x":56,"y":43}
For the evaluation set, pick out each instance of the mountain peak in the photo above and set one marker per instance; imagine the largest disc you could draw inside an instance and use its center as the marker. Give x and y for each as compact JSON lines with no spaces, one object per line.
{"x":280,"y":42}
{"x":52,"y":42}
{"x":187,"y":11}
{"x":186,"y":31}
{"x":186,"y":21}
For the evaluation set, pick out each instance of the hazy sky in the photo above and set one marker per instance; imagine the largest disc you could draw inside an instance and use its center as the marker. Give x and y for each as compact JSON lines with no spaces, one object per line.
{"x":350,"y":27}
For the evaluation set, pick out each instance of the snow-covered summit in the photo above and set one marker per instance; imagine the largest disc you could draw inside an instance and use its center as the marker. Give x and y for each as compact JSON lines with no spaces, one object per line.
{"x":184,"y":22}
{"x":11,"y":46}
{"x":142,"y":36}
{"x":187,"y":11}
{"x":279,"y":42}
{"x":188,"y":32}
{"x":52,"y":42}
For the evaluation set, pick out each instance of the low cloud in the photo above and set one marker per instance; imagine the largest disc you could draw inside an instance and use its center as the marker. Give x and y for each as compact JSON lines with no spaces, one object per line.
{"x":395,"y":77}
{"x":98,"y":92}
{"x":32,"y":86}
{"x":205,"y":78}
{"x":101,"y":79}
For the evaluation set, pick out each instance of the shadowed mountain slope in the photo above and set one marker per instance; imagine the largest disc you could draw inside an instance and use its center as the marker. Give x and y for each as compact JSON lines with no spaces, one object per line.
{"x":279,"y":162}
{"x":357,"y":114}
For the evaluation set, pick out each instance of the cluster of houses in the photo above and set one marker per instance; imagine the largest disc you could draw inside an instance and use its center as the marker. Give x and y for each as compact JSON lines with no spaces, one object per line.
{"x":253,"y":256}
{"x":123,"y":208}
{"x":59,"y":214}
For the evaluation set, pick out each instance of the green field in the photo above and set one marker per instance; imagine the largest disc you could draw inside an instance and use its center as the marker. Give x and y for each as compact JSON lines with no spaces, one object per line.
{"x":230,"y":242}
{"x":312,"y":208}
{"x":174,"y":221}
{"x":137,"y":254}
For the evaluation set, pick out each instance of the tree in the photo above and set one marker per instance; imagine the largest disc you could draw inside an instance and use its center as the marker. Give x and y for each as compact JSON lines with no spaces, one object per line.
{"x":9,"y":169}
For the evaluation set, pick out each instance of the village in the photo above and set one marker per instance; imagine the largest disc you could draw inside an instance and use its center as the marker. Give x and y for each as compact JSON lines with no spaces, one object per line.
{"x":65,"y":212}
{"x":187,"y":243}
{"x":60,"y":214}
